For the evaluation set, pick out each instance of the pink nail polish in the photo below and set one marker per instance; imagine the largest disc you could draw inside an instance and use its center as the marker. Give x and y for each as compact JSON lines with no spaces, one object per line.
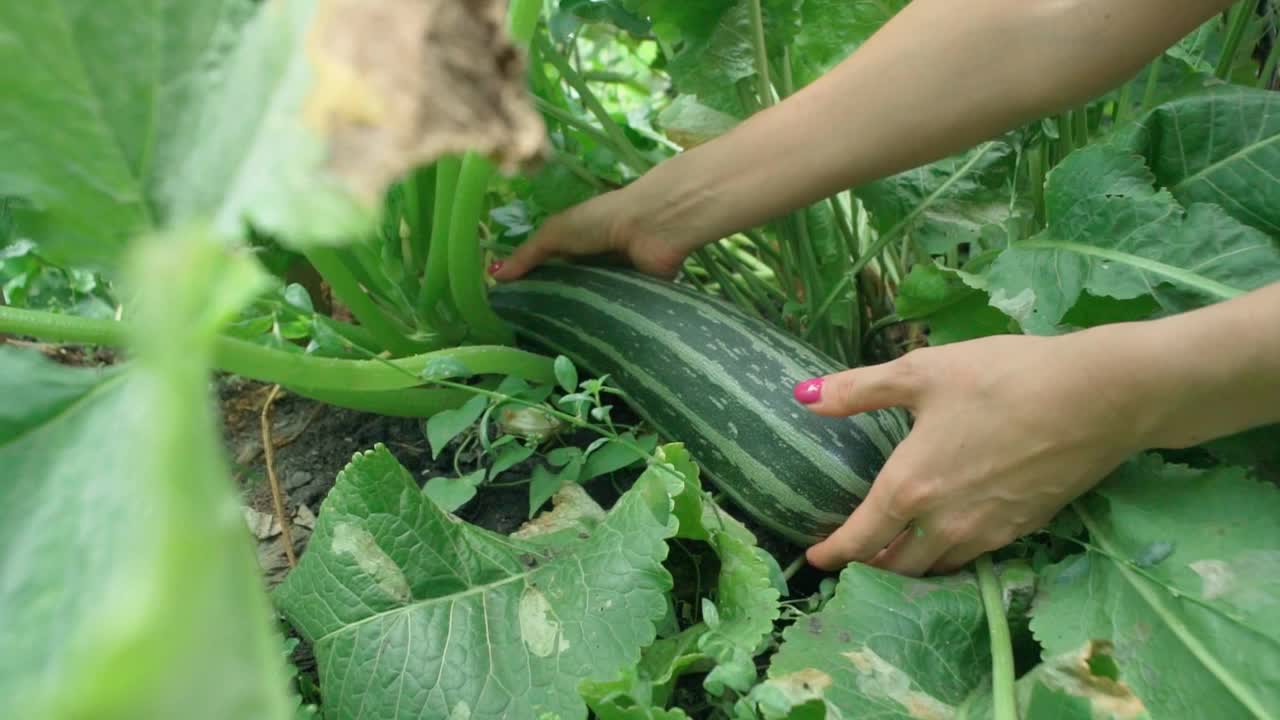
{"x":495,"y":266}
{"x":809,"y":391}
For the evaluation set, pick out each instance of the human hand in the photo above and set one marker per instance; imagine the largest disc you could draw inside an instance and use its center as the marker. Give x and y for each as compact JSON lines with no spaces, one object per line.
{"x":606,"y":225}
{"x":1008,"y":430}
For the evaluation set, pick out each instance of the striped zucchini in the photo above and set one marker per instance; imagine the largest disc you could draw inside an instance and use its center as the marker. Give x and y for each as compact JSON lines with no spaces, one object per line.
{"x":704,"y":373}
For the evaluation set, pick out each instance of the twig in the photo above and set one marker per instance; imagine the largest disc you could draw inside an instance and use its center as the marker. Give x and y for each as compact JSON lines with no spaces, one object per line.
{"x":277,"y":498}
{"x":793,"y":568}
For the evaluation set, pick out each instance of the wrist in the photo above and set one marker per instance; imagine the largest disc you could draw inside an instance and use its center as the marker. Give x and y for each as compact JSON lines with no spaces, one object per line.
{"x":674,"y":202}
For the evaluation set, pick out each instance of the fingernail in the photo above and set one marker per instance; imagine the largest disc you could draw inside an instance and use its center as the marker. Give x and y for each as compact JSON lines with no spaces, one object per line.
{"x":495,"y":266}
{"x":809,"y":391}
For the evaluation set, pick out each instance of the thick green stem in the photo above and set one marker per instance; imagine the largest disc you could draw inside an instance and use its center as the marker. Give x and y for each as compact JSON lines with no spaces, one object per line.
{"x":1237,"y":24}
{"x":409,"y":402}
{"x":1081,"y":128}
{"x":419,"y":206}
{"x":1269,"y":67}
{"x":434,"y":300}
{"x":1036,"y":171}
{"x":294,"y":370}
{"x":764,"y":88}
{"x":388,"y":334}
{"x":1122,"y":112}
{"x":1066,"y":142}
{"x":466,"y":271}
{"x":1002,"y":678}
{"x":1153,"y":83}
{"x":522,"y":20}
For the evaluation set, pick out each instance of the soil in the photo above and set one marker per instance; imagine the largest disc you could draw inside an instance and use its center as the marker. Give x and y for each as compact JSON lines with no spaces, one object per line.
{"x":314,"y":442}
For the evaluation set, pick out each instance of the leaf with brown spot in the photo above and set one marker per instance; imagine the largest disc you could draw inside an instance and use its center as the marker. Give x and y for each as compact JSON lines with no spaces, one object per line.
{"x":892,"y":647}
{"x":401,"y":83}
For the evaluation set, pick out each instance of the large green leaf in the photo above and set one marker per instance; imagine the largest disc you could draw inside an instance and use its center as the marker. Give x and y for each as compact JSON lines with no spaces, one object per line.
{"x":128,"y":586}
{"x":885,"y":646}
{"x":949,"y":202}
{"x":1219,"y":147}
{"x":1112,"y":233}
{"x":832,"y":29}
{"x":1079,"y":685}
{"x":1183,"y":576}
{"x":944,"y":298}
{"x":122,"y":117}
{"x":717,"y":43}
{"x":413,"y":613}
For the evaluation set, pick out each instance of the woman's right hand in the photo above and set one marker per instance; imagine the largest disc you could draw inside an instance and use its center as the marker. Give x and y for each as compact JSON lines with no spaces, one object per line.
{"x":610,"y":224}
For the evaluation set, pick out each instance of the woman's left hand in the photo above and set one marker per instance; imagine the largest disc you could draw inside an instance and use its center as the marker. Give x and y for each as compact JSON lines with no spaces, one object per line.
{"x":1008,"y":430}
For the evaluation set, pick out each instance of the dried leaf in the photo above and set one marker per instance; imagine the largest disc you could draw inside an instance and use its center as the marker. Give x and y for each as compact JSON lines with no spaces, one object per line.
{"x":400,"y":83}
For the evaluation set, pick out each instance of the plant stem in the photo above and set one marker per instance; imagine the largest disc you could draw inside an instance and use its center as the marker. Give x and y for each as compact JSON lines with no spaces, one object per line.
{"x":1123,"y":102}
{"x":408,"y":402}
{"x":1002,"y":679}
{"x":388,"y":334}
{"x":289,"y":369}
{"x":465,"y":261}
{"x":435,"y":287}
{"x":764,"y":88}
{"x":577,"y":123}
{"x":1237,"y":23}
{"x":1036,"y":171}
{"x":1269,"y":67}
{"x":419,"y":199}
{"x":1081,"y":128}
{"x":522,"y":20}
{"x":630,"y":155}
{"x":1153,"y":83}
{"x":899,"y":228}
{"x":793,"y":568}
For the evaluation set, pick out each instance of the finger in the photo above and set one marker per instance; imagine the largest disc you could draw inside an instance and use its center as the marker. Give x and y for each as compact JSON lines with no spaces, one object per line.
{"x":914,"y":552}
{"x":875,"y":522}
{"x":957,"y":557}
{"x":544,"y":244}
{"x":860,"y":390}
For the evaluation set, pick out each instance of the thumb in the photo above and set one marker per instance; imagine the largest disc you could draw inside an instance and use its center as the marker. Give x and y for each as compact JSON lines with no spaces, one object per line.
{"x":860,"y":390}
{"x":544,"y":243}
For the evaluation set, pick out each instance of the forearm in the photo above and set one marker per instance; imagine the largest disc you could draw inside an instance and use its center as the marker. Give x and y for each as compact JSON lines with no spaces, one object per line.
{"x":1212,"y":372}
{"x":940,"y":77}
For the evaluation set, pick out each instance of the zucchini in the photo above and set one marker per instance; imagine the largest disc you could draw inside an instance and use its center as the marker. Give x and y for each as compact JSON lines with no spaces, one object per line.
{"x":706,"y":374}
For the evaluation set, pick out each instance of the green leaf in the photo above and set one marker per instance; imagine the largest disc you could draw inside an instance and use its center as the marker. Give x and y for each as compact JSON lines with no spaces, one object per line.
{"x":689,"y":123}
{"x":612,"y":456}
{"x":133,"y":115}
{"x":1112,"y":234}
{"x":130,"y":116}
{"x":955,"y":310}
{"x":947,"y":203}
{"x":717,"y":49}
{"x":626,"y":698}
{"x":1220,"y":147}
{"x":447,"y":425}
{"x":1079,"y":685}
{"x":566,"y":373}
{"x":546,"y":483}
{"x":130,"y":587}
{"x":1192,"y":630}
{"x":451,"y":493}
{"x":508,"y":457}
{"x":747,"y":606}
{"x":830,"y":30}
{"x":493,"y":628}
{"x":886,"y":646}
